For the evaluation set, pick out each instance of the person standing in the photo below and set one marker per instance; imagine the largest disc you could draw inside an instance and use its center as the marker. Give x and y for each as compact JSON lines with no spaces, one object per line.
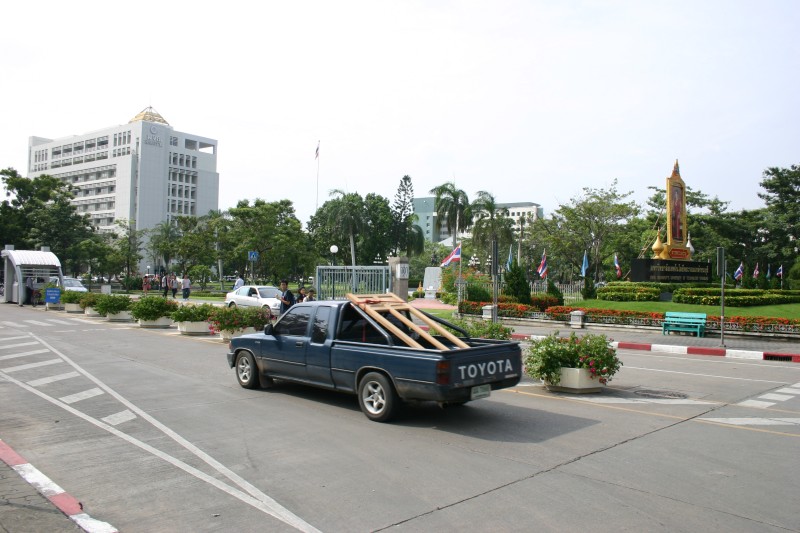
{"x":312,"y":296}
{"x":285,"y":296}
{"x":146,"y":284}
{"x":165,"y":284}
{"x":28,"y":291}
{"x":186,"y":285}
{"x":301,"y":295}
{"x":239,"y":282}
{"x":173,"y":285}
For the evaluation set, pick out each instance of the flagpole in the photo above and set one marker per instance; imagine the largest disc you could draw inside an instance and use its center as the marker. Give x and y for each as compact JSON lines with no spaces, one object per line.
{"x":316,"y":208}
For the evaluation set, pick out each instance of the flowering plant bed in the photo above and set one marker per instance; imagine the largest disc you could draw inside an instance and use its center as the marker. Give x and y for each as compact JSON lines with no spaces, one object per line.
{"x":153,"y":308}
{"x":546,"y":357}
{"x":237,"y":318}
{"x":193,"y":313}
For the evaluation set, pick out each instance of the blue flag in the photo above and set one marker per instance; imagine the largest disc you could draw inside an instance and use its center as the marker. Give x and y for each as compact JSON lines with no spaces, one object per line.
{"x":585,"y":266}
{"x":510,"y":258}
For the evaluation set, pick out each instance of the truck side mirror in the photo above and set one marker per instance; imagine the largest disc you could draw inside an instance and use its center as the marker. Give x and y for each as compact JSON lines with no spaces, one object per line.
{"x":268,"y":329}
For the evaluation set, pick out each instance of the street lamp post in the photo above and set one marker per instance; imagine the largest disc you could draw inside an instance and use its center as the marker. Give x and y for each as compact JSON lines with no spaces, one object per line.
{"x":334,"y":249}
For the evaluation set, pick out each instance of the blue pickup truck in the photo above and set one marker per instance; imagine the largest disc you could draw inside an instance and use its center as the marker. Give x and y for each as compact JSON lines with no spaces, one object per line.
{"x":377,"y":353}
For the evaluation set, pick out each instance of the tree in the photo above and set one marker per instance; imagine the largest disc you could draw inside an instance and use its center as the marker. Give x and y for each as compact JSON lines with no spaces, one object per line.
{"x":591,"y":223}
{"x":452,"y":209}
{"x":517,"y":284}
{"x":376,"y":241}
{"x":163,"y":239}
{"x":403,"y":217}
{"x":491,"y":224}
{"x":782,"y":197}
{"x":346,"y":214}
{"x":128,"y":246}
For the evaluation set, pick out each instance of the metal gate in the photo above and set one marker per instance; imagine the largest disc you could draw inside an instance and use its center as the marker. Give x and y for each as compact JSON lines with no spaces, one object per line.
{"x":333,"y":282}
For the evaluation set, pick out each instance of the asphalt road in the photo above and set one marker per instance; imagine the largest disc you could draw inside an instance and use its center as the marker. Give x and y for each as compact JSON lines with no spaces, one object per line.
{"x":151,"y":431}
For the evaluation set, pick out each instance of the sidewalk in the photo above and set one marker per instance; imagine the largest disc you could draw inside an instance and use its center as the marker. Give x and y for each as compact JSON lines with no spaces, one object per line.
{"x":30,"y":502}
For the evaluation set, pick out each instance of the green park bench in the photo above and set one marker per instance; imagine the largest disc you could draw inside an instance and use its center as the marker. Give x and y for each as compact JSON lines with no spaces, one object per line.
{"x":675,"y":321}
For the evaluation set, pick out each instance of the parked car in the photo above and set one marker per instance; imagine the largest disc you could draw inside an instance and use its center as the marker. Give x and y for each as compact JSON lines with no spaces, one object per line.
{"x":70,"y":284}
{"x":255,"y":296}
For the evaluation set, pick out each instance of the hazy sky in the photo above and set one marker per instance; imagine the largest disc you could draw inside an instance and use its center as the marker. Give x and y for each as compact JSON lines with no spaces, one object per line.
{"x":529,"y":100}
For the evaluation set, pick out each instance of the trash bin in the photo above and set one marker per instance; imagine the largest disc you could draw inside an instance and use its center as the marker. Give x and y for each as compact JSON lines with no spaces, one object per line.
{"x":105,"y":289}
{"x":487,"y":313}
{"x":577,"y":319}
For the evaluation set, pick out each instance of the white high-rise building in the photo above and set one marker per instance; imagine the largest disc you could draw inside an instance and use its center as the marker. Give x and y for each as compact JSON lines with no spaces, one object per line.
{"x":142,"y":171}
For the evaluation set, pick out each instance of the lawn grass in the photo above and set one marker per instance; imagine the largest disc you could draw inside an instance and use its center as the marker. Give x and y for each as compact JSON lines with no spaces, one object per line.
{"x":781,"y":311}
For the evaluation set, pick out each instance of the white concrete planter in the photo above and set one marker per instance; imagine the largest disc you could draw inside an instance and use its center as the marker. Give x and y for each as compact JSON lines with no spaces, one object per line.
{"x":228,"y":335}
{"x":73,"y":308}
{"x":54,"y":307}
{"x":194,"y":328}
{"x":122,"y":316}
{"x":576,"y":380}
{"x":161,"y":322}
{"x":89,"y":311}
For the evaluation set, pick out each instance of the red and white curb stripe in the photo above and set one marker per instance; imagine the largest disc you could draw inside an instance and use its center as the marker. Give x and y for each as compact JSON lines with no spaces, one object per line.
{"x":691,"y":350}
{"x":63,"y":501}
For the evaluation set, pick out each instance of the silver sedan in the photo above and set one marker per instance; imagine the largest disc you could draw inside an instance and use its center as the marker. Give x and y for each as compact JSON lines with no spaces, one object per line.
{"x":255,"y":296}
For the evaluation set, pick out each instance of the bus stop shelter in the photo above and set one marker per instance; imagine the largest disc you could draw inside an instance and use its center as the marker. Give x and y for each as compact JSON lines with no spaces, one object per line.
{"x":19,"y":265}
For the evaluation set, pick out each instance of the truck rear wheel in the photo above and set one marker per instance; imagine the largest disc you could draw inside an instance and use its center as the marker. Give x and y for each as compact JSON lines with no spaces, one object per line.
{"x":246,"y":370}
{"x":377,"y":397}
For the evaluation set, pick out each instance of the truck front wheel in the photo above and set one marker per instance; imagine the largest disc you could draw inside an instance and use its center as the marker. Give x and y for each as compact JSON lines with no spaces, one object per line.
{"x":377,"y":397}
{"x":246,"y":370}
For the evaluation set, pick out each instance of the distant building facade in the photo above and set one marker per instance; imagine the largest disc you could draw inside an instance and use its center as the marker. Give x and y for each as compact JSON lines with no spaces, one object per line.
{"x":425,"y":210}
{"x":143,"y":171}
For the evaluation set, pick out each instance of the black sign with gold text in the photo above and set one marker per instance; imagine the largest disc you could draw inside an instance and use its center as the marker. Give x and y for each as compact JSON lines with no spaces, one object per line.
{"x":666,"y":271}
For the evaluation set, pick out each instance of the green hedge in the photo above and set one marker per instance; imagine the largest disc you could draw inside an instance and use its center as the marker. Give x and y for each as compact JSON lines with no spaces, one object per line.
{"x":631,"y":292}
{"x":735,"y":297}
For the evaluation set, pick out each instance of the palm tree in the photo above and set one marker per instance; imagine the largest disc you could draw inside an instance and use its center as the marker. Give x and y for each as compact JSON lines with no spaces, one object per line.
{"x":347,"y":214}
{"x":492,"y":222}
{"x":452,"y":209}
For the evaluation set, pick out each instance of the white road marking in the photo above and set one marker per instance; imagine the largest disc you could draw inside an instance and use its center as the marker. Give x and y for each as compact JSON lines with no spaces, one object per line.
{"x":661,"y":401}
{"x":756,"y":421}
{"x":52,"y":379}
{"x":31,"y":365}
{"x":776,"y":397}
{"x":14,"y":324}
{"x":255,"y":498}
{"x":119,"y":418}
{"x":22,"y":354}
{"x":700,"y":375}
{"x":756,"y":403}
{"x":85,"y":395}
{"x":60,"y":322}
{"x":788,"y":390}
{"x":37,"y":323}
{"x":6,"y":339}
{"x":20,"y":345}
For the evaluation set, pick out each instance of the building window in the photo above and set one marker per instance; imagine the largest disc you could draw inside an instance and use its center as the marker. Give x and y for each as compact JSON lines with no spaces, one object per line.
{"x":173,"y":141}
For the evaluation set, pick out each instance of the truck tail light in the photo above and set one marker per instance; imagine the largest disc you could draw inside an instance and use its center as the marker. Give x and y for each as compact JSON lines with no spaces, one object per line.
{"x":443,"y":373}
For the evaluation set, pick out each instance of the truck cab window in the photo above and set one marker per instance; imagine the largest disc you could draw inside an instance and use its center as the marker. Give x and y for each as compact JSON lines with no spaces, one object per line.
{"x":320,"y":329}
{"x":294,"y":322}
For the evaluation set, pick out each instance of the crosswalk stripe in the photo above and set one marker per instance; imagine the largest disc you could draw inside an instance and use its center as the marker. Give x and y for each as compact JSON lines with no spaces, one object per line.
{"x":61,"y":322}
{"x":756,"y":403}
{"x":659,"y":401}
{"x":53,"y":379}
{"x":72,"y":398}
{"x":7,"y":339}
{"x":788,"y":390}
{"x":119,"y":418}
{"x":776,"y":397}
{"x":756,"y":421}
{"x":23,"y":354}
{"x":20,"y":345}
{"x":14,"y":324}
{"x":31,"y":365}
{"x":37,"y":323}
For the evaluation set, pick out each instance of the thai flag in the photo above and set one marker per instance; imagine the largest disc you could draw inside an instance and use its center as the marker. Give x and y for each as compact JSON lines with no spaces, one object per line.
{"x":542,"y":270}
{"x":755,"y":272}
{"x":739,"y":272}
{"x":316,"y":154}
{"x":616,"y":265}
{"x":455,"y":255}
{"x":779,"y":272}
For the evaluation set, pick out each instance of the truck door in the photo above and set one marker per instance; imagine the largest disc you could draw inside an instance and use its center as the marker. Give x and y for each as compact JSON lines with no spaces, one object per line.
{"x":287,"y":354}
{"x":318,"y":352}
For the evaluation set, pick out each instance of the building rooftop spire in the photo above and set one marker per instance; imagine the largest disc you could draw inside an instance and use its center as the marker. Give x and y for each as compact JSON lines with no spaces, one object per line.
{"x":148,"y":114}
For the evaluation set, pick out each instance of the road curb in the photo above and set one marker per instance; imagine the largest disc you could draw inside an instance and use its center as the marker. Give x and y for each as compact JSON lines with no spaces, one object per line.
{"x":65,"y":502}
{"x":690,"y":350}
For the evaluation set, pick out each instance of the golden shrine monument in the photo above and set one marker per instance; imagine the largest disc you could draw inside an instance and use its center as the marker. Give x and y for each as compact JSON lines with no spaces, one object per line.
{"x":672,"y":260}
